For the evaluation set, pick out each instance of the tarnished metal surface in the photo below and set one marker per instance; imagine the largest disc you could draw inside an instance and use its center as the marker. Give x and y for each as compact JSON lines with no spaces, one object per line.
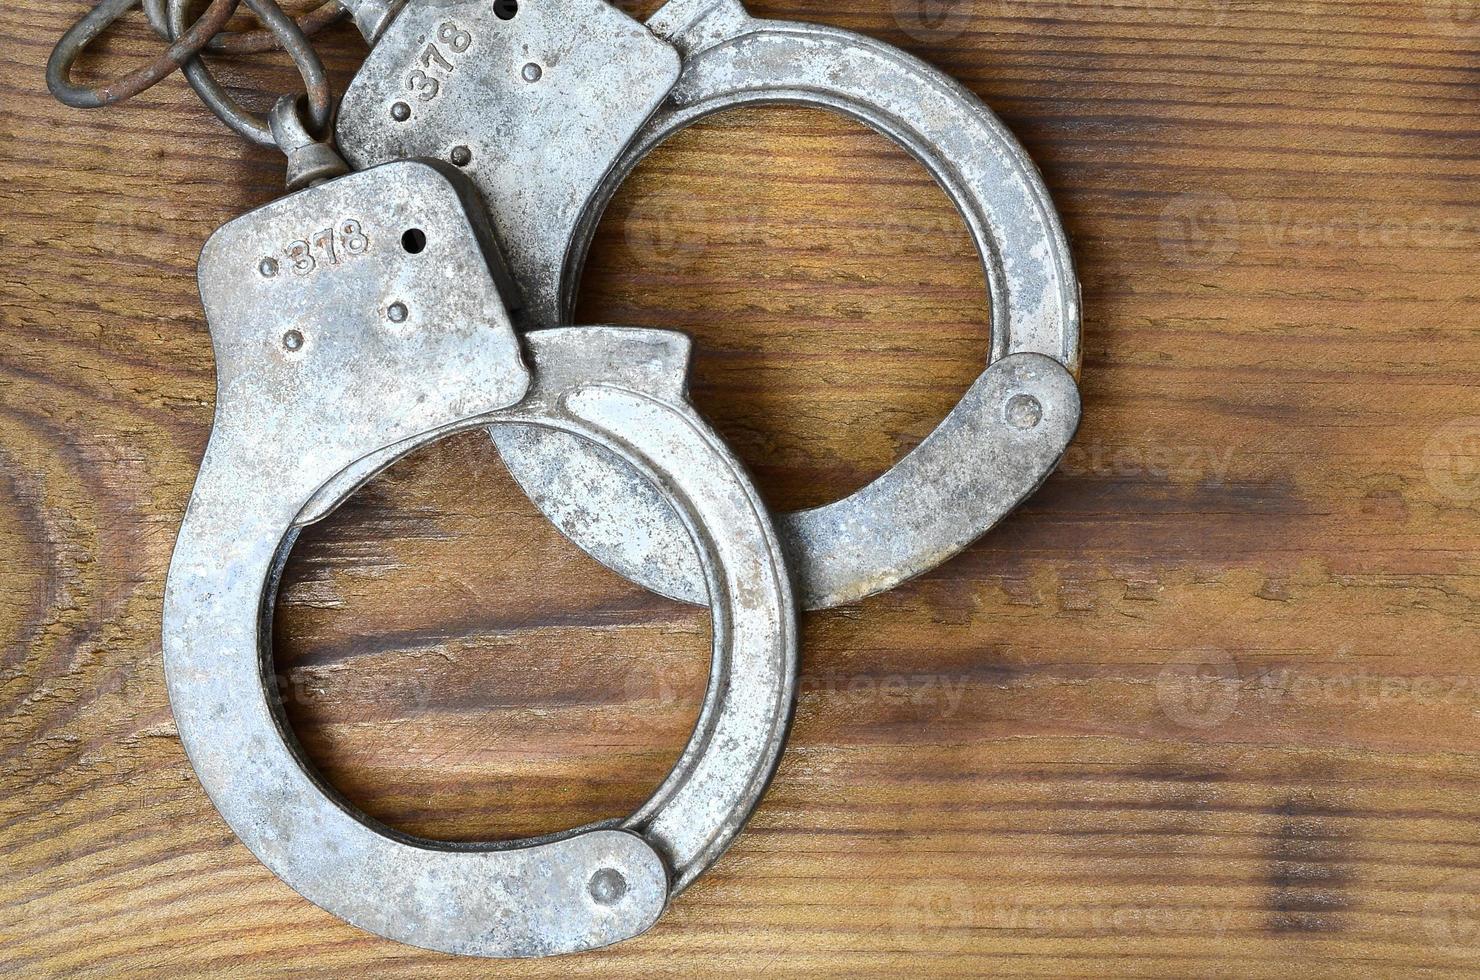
{"x":98,"y":20}
{"x":245,"y":123}
{"x":539,"y":174}
{"x":310,"y":161}
{"x":372,"y":17}
{"x":731,"y":59}
{"x":352,"y":323}
{"x":541,"y":104}
{"x":251,"y":42}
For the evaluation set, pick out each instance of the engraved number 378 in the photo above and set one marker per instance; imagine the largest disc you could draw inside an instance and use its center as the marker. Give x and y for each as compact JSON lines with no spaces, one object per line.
{"x":421,"y":81}
{"x":351,"y":240}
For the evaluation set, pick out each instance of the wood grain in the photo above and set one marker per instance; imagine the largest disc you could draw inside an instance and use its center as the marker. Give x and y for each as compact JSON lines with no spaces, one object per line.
{"x":1207,"y":706}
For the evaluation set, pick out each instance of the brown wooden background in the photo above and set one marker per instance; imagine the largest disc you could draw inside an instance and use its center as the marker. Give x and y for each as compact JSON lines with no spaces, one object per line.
{"x":1210,"y":705}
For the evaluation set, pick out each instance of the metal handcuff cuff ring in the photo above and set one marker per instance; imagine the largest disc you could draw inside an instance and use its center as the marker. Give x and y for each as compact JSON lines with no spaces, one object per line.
{"x":326,"y":375}
{"x":548,"y":112}
{"x":326,"y":379}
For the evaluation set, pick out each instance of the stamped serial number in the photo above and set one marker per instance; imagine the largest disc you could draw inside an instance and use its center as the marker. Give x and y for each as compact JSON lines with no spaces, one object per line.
{"x":426,"y":82}
{"x":330,"y":246}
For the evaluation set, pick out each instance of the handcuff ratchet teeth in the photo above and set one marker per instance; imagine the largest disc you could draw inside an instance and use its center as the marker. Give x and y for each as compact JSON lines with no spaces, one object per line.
{"x":352,"y":323}
{"x":549,"y":111}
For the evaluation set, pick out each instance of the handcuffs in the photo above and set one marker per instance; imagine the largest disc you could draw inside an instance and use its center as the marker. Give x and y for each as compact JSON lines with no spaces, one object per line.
{"x":549,"y":111}
{"x":326,"y":374}
{"x":427,"y":292}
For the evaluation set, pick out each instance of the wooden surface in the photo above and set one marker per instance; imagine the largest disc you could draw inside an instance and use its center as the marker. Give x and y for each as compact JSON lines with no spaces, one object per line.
{"x":1209,"y":705}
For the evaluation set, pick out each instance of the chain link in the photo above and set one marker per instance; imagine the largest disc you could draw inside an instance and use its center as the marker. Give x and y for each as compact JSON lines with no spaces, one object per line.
{"x":181,"y":50}
{"x":255,"y":127}
{"x":251,"y":42}
{"x":185,"y":51}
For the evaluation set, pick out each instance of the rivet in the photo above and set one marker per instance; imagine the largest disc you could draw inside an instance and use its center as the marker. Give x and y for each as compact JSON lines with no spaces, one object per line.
{"x":397,"y":312}
{"x":268,"y":267}
{"x":607,"y":886}
{"x":293,"y":340}
{"x":400,"y":112}
{"x":1024,"y":412}
{"x":533,"y":72}
{"x":461,"y":156}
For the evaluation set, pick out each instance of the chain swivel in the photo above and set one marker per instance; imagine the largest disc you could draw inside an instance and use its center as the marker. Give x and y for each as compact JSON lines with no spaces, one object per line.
{"x":310,"y":161}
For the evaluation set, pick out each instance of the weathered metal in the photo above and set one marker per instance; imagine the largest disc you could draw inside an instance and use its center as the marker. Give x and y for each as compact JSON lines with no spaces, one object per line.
{"x":255,"y":41}
{"x":319,"y":388}
{"x":247,"y":124}
{"x":309,"y":161}
{"x":86,"y":30}
{"x":550,"y":110}
{"x":367,"y":316}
